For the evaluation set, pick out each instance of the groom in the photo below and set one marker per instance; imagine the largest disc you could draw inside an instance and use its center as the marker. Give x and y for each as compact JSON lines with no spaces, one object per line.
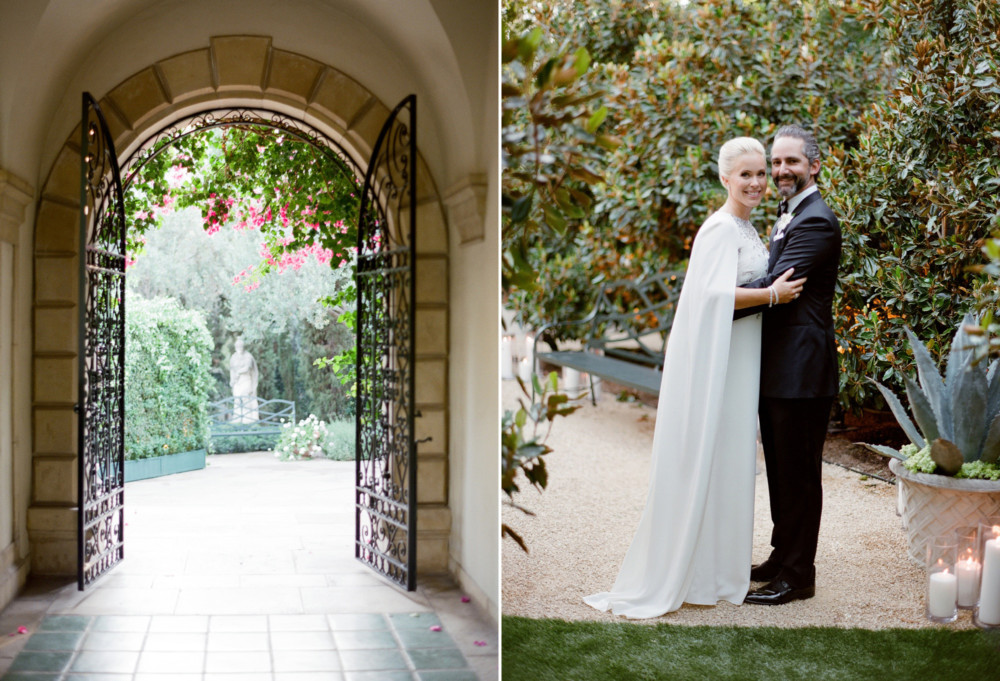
{"x":799,"y":375}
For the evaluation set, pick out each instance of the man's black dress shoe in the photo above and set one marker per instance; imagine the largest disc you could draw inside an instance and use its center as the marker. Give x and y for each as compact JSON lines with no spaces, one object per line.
{"x":779,"y":592}
{"x":764,"y":572}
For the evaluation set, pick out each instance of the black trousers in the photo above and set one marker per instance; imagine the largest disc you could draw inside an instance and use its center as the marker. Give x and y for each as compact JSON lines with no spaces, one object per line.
{"x":793,"y":432}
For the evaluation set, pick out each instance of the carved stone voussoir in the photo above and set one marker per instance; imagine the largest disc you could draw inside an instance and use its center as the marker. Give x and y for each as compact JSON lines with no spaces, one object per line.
{"x":466,"y":204}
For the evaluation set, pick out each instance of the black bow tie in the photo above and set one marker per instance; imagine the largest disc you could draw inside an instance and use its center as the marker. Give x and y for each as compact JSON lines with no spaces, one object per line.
{"x":782,"y":208}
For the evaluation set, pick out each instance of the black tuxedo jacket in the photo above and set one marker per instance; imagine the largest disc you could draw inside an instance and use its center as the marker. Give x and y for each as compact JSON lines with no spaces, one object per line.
{"x":798,"y":347}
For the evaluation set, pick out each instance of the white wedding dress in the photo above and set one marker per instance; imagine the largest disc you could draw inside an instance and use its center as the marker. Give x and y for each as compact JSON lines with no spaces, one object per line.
{"x":695,"y":536}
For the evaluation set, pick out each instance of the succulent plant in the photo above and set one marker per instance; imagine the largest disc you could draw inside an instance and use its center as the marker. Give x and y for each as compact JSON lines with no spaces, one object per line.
{"x":959,"y":415}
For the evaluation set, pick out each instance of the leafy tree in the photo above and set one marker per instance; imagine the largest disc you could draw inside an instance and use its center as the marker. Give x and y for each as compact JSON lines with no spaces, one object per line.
{"x":711,"y":70}
{"x":551,"y":146}
{"x":918,"y":196}
{"x":280,"y":316}
{"x":299,"y":204}
{"x":610,"y":29}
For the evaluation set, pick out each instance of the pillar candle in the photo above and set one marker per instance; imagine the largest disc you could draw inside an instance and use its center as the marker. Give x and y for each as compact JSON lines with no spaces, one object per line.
{"x":941,"y":594}
{"x":968,"y":570}
{"x":989,"y":596}
{"x":524,"y":370}
{"x":507,"y":357}
{"x":571,"y":379}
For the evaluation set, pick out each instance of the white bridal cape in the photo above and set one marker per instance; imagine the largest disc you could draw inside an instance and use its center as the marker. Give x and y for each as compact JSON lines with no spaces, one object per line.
{"x":695,"y":536}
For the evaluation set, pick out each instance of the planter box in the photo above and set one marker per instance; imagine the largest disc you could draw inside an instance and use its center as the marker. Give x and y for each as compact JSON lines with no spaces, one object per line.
{"x":933,"y":505}
{"x":142,"y":469}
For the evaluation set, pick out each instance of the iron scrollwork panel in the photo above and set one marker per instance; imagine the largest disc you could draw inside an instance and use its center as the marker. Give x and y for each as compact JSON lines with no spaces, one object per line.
{"x":101,"y":453}
{"x":386,"y":475}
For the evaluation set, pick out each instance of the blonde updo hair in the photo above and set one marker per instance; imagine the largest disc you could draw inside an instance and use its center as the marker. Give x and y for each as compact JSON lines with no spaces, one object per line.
{"x":733,"y":149}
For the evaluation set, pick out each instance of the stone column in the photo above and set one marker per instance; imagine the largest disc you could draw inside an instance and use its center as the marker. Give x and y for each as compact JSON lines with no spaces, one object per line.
{"x":15,"y":454}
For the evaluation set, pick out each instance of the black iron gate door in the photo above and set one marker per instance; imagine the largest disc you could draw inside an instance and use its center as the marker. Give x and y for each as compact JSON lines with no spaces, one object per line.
{"x":386,"y":470}
{"x":100,"y":408}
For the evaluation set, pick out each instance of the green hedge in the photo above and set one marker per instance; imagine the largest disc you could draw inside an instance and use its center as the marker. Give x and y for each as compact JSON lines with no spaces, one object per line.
{"x":167,"y":379}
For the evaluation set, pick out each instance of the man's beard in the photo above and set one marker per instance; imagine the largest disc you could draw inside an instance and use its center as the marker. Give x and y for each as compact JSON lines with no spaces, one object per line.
{"x":798,"y":186}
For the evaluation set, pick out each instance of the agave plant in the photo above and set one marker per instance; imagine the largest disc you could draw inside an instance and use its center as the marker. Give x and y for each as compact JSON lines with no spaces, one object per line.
{"x":959,"y":415}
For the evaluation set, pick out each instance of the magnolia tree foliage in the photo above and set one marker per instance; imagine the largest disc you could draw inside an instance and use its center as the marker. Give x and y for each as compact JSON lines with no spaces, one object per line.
{"x":551,"y":149}
{"x":903,"y":97}
{"x":918,"y":196}
{"x":702,"y":73}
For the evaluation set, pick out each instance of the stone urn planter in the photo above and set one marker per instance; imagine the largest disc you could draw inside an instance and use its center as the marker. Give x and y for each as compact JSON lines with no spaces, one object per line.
{"x":932,"y":505}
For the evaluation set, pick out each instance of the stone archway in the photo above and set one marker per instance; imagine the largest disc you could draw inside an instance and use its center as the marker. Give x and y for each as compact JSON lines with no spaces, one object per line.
{"x":230,"y":71}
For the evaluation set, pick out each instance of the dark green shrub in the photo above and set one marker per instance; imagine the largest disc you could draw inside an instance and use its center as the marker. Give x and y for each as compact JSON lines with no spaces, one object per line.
{"x":167,"y":359}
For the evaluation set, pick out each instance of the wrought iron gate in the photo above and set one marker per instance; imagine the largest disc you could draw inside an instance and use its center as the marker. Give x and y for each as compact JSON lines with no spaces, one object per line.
{"x":386,"y":470}
{"x":100,"y":407}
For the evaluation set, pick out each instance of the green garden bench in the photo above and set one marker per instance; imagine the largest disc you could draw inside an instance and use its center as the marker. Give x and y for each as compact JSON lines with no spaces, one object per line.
{"x":625,"y":333}
{"x":272,"y":417}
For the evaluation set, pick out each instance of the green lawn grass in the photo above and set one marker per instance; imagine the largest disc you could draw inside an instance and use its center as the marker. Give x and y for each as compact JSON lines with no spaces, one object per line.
{"x":556,"y":650}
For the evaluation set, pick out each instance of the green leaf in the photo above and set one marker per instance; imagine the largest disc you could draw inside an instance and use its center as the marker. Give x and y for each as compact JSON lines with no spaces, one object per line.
{"x":947,"y":456}
{"x":595,"y":120}
{"x":991,"y":447}
{"x":521,"y":208}
{"x":544,"y":76}
{"x":555,"y":219}
{"x":900,"y":413}
{"x":528,"y":44}
{"x":923,"y":414}
{"x":969,"y":410}
{"x":884,"y":450}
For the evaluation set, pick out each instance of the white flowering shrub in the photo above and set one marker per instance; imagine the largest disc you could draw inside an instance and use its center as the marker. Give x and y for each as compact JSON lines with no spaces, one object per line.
{"x":312,"y":438}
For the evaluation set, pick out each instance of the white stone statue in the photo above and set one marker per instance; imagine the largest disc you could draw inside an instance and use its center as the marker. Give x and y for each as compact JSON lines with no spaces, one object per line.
{"x":243,"y":377}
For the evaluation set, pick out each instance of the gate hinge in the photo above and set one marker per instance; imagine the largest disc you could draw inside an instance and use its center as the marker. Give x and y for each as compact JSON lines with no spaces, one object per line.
{"x":76,"y":408}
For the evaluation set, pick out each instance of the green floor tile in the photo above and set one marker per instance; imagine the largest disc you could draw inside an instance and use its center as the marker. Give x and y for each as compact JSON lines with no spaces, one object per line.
{"x":364,"y":640}
{"x":63,"y":640}
{"x":425,"y":638}
{"x":448,"y":675}
{"x":437,"y":658}
{"x":371,"y":660}
{"x":39,"y":661}
{"x":417,"y":620}
{"x":64,"y":623}
{"x":30,"y":676}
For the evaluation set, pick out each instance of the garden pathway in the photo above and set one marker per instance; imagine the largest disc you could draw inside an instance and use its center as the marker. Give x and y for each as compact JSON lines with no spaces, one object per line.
{"x":585,"y":519}
{"x":245,"y":571}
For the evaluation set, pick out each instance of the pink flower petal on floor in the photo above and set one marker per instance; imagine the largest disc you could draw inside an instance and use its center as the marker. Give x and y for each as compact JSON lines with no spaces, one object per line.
{"x":466,"y":599}
{"x":480,"y":643}
{"x":435,"y":627}
{"x":22,"y":630}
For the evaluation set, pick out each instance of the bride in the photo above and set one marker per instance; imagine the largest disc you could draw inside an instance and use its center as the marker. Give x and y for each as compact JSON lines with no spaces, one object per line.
{"x":695,"y":536}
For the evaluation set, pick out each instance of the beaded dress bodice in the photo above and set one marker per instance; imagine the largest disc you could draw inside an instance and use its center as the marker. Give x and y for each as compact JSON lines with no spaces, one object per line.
{"x":753,"y":253}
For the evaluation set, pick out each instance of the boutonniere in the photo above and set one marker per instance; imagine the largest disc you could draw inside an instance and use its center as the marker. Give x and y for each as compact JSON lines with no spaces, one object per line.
{"x":779,"y":226}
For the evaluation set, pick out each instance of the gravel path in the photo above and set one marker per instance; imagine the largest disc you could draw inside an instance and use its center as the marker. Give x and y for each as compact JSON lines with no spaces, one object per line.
{"x":597,"y":488}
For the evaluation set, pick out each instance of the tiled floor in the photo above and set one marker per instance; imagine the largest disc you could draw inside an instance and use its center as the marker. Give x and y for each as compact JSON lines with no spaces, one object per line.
{"x":249,"y":552}
{"x":349,"y":647}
